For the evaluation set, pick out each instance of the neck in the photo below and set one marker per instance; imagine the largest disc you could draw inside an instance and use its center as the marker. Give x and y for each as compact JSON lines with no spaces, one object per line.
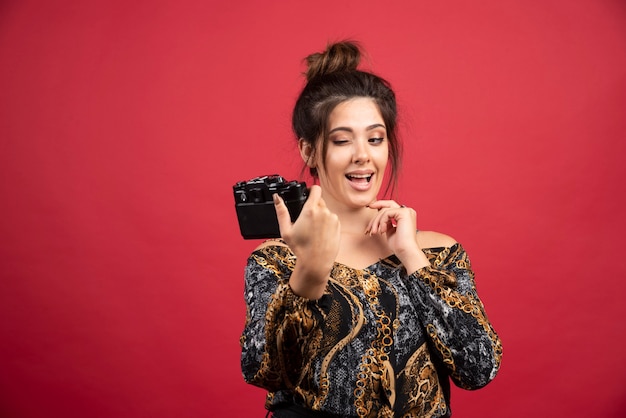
{"x":354,"y":220}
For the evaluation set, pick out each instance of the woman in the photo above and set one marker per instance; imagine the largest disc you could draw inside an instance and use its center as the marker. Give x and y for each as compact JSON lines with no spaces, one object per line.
{"x":353,"y":312}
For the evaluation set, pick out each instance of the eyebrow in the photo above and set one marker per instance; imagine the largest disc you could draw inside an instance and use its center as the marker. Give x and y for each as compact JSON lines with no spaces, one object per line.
{"x":369,"y":128}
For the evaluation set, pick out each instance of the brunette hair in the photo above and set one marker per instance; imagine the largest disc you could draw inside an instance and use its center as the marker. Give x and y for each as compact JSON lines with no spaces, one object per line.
{"x":332,"y":78}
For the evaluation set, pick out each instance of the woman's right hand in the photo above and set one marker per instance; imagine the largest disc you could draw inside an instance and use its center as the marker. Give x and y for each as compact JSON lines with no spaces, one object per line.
{"x":314,"y":239}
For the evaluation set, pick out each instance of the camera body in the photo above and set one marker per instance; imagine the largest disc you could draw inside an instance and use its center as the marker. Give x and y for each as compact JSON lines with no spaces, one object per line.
{"x":255,"y":205}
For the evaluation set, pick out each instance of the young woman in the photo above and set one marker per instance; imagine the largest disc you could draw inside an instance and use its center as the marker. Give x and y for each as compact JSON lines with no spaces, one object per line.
{"x":354,"y":312}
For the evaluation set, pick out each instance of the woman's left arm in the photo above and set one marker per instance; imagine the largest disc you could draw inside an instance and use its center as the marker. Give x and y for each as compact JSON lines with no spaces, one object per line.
{"x":454,"y":318}
{"x":444,"y":291}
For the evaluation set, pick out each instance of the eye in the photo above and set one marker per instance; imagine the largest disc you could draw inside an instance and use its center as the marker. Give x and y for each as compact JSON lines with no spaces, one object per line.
{"x":376,"y":140}
{"x":340,"y":141}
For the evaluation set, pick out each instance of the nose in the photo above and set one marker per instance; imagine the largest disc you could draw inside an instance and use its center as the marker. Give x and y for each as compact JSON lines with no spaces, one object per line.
{"x":361,"y":152}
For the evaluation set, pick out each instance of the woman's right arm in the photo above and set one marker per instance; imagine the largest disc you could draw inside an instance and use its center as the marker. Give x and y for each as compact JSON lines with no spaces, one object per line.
{"x":284,"y":292}
{"x":314,"y":239}
{"x":281,"y":327}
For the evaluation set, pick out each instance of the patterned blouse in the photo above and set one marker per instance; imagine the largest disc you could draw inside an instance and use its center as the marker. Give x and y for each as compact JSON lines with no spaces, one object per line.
{"x":379,"y":343}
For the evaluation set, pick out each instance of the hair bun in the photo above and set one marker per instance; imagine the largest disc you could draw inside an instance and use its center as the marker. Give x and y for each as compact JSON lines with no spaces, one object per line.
{"x":338,"y":57}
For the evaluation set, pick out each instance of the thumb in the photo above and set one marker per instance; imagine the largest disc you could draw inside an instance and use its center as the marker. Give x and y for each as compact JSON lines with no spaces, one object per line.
{"x":282,"y":213}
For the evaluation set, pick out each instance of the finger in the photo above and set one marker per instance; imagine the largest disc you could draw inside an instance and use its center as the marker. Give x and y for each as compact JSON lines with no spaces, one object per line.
{"x":380,"y":204}
{"x":315,"y":195}
{"x":377,"y":223}
{"x":282,"y":213}
{"x":388,"y":219}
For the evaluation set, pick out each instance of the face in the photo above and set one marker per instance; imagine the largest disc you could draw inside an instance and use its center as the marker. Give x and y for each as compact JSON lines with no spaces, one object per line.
{"x":351,"y":174}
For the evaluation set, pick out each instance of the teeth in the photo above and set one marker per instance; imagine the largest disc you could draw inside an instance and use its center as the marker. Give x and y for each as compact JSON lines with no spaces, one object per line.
{"x":368,"y":177}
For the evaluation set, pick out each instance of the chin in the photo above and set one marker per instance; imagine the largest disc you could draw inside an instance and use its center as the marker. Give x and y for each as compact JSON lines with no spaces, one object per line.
{"x":363,"y":201}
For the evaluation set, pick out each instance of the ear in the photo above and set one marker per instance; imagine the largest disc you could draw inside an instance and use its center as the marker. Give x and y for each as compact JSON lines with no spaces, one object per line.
{"x":307,"y":152}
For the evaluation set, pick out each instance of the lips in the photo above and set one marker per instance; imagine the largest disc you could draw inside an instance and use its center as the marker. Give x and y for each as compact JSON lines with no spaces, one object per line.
{"x":360,"y":181}
{"x":359,"y":177}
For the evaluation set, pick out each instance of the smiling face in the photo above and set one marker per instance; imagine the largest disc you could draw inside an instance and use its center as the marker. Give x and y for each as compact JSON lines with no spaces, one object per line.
{"x":352,"y":171}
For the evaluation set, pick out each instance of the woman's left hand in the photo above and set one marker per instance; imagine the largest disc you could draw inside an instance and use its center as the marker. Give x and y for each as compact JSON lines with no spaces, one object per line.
{"x":399,"y":224}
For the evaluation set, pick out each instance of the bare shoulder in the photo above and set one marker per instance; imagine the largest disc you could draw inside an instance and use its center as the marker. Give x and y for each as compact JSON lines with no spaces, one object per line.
{"x":432,"y":239}
{"x":271,"y":242}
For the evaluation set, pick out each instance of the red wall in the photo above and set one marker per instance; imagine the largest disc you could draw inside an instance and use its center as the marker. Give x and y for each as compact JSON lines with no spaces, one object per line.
{"x":123,"y":126}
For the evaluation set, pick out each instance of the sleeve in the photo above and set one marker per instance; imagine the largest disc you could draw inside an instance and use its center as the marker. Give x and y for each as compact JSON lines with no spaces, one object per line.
{"x":454,"y":318}
{"x":281,"y":328}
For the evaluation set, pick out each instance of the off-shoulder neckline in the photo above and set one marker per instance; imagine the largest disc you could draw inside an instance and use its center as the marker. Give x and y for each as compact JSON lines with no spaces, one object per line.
{"x":391,"y":259}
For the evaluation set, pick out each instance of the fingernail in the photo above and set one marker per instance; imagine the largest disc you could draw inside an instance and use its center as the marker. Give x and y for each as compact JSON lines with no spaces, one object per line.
{"x":275,"y":197}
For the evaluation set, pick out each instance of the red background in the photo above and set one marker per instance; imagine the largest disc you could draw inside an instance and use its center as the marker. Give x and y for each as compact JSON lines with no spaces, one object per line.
{"x":124,"y":125}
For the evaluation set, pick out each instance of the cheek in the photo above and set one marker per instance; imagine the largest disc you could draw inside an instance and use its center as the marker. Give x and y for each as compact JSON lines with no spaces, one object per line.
{"x":336,"y":160}
{"x":382,"y":157}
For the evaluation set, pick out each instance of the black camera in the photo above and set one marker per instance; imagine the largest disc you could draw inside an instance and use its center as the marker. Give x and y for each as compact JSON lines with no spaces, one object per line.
{"x":255,"y":205}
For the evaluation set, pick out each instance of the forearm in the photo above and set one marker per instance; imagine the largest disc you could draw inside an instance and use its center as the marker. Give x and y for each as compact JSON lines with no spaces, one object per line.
{"x":459,"y":329}
{"x":279,"y":323}
{"x":455,"y":320}
{"x":276,"y":346}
